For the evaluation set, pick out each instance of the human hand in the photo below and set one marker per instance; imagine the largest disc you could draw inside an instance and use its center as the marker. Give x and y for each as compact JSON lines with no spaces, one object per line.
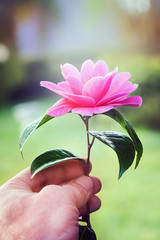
{"x":49,"y":206}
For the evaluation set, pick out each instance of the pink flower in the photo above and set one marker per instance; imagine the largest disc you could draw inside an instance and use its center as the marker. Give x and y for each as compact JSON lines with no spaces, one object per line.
{"x":93,"y":90}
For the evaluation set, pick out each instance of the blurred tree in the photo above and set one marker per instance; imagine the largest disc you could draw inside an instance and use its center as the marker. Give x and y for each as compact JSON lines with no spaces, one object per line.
{"x":142,"y":21}
{"x":11,"y":74}
{"x":153,"y":27}
{"x":15,"y":71}
{"x":7,"y":24}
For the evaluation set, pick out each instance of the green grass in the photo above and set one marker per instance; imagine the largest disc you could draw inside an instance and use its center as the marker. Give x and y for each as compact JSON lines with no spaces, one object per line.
{"x":130,"y":206}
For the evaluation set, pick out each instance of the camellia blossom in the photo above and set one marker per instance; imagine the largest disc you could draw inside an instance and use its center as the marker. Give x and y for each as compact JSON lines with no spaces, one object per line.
{"x":92,"y":90}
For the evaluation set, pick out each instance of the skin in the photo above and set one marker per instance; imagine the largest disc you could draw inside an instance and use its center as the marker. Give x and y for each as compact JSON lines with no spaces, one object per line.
{"x":49,"y":206}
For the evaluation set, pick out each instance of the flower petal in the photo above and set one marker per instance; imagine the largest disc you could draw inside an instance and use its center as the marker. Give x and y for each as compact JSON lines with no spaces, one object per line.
{"x":134,"y":101}
{"x":83,"y":111}
{"x":118,"y":81}
{"x":78,"y":99}
{"x":102,"y":109}
{"x":100,"y":69}
{"x":87,"y":70}
{"x":75,"y":84}
{"x":53,"y":87}
{"x":60,"y":108}
{"x":110,"y":99}
{"x":65,"y":86}
{"x":57,"y":89}
{"x":97,"y":87}
{"x":90,"y":111}
{"x":128,"y":87}
{"x":69,"y":69}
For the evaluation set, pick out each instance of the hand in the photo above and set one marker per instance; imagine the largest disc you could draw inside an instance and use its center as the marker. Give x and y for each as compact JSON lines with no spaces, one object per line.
{"x":49,"y":206}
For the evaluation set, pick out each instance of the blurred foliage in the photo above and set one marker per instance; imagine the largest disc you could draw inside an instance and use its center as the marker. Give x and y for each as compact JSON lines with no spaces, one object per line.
{"x":11,"y":75}
{"x":145,"y":70}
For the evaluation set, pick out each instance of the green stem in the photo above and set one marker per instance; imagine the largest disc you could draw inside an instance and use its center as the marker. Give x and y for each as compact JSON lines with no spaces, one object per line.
{"x":89,"y":146}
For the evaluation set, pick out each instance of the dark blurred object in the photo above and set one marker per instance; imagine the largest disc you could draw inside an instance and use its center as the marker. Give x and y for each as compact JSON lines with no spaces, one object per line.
{"x":30,"y":89}
{"x":20,"y":81}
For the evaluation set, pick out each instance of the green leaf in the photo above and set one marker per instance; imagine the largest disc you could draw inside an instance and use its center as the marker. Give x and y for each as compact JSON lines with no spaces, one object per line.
{"x":31,"y":128}
{"x":126,"y":125}
{"x":50,"y":158}
{"x":121,"y":144}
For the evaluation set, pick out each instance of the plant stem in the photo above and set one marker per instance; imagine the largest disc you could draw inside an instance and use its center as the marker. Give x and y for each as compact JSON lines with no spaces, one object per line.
{"x":88,"y":148}
{"x":89,"y":145}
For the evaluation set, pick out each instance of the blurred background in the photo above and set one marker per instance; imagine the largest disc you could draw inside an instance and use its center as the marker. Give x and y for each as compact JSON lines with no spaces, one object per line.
{"x":35,"y":38}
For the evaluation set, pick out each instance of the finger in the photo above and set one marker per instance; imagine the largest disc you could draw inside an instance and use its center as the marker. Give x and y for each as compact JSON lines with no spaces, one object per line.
{"x":97,"y":185}
{"x":94,"y":205}
{"x":94,"y":201}
{"x":53,"y":175}
{"x":79,"y":190}
{"x":56,"y":174}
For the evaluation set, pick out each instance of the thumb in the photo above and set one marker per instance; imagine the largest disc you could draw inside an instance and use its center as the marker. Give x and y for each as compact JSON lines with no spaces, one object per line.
{"x":79,"y":190}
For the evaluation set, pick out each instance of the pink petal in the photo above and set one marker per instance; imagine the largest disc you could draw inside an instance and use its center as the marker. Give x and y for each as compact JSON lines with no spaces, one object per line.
{"x":60,"y":108}
{"x":57,"y":89}
{"x":102,"y":109}
{"x":90,"y":111}
{"x":69,"y":69}
{"x":75,"y":84}
{"x":128,"y":87}
{"x":83,"y":111}
{"x":134,"y":101}
{"x":97,"y":87}
{"x":87,"y":71}
{"x":104,"y":101}
{"x":100,"y":69}
{"x":112,"y":75}
{"x":52,"y":86}
{"x":65,"y":86}
{"x":78,"y":99}
{"x":118,"y":81}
